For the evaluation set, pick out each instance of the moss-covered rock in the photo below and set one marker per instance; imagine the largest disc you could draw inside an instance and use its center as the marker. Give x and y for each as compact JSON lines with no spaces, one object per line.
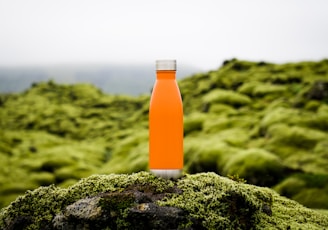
{"x":306,"y":188}
{"x":218,"y":124}
{"x":221,"y":109}
{"x":209,"y":155}
{"x":258,"y":89}
{"x":226,"y":97}
{"x":193,"y":122}
{"x":138,"y":201}
{"x":295,"y":136}
{"x":290,"y":186}
{"x":257,"y":166}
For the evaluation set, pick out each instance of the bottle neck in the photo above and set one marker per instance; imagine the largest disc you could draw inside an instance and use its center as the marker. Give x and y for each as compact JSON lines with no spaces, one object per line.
{"x":165,"y":74}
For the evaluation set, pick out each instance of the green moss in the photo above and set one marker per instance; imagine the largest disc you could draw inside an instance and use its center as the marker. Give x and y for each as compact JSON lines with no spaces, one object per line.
{"x":312,"y":105}
{"x":67,"y":183}
{"x":235,"y":210}
{"x":226,"y":97}
{"x":248,"y":87}
{"x":205,"y":189}
{"x":310,"y":189}
{"x":221,"y":109}
{"x":132,"y":152}
{"x":322,"y":147}
{"x":38,"y":159}
{"x":208,"y":155}
{"x":280,"y":115}
{"x":193,"y":122}
{"x":41,"y":204}
{"x":75,"y":130}
{"x":203,"y":86}
{"x":258,"y":89}
{"x":295,"y":136}
{"x":270,"y":92}
{"x":10,"y":191}
{"x":212,"y":201}
{"x":290,"y":186}
{"x":310,"y":163}
{"x":117,"y":205}
{"x":16,"y":188}
{"x":217,"y":124}
{"x":257,"y":166}
{"x":314,"y":197}
{"x":323,"y":211}
{"x":42,"y":178}
{"x":318,"y":121}
{"x":235,"y":137}
{"x":73,"y":172}
{"x":314,"y":180}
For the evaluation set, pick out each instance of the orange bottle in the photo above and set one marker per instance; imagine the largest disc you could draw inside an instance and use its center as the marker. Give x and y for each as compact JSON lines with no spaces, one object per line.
{"x":166,"y":123}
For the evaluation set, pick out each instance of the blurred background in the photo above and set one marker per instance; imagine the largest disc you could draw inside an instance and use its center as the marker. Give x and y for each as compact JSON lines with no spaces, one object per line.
{"x":76,"y":77}
{"x":103,"y":41}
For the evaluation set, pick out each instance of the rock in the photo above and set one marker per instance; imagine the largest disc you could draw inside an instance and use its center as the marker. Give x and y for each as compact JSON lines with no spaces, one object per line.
{"x":153,"y":216}
{"x":143,"y":201}
{"x":111,"y":209}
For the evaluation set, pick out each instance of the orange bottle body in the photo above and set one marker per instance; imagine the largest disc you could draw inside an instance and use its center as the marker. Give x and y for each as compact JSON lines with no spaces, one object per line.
{"x":166,"y":123}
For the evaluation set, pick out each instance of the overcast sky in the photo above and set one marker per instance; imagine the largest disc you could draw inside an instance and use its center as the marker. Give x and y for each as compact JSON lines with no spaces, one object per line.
{"x":201,"y":33}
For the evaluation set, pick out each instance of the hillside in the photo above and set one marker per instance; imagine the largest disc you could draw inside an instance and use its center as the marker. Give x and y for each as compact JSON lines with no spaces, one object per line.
{"x":266,"y":123}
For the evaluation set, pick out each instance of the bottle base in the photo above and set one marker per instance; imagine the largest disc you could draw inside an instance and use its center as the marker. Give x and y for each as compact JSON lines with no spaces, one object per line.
{"x":167,"y":173}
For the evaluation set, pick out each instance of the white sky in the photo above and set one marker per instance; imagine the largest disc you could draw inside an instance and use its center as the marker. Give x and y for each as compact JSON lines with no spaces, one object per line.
{"x":201,"y":33}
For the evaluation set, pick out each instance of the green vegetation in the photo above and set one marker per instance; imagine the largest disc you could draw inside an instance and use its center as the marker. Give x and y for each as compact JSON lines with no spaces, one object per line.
{"x":208,"y":200}
{"x":266,"y":123}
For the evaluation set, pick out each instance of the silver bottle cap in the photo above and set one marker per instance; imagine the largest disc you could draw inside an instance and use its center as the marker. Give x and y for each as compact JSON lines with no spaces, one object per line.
{"x":166,"y":65}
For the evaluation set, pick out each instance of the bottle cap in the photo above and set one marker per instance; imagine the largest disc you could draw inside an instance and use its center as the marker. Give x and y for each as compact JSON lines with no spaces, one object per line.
{"x":166,"y":65}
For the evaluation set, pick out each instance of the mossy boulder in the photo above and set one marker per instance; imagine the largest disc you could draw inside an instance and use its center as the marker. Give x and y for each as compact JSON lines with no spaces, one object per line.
{"x":280,"y":115}
{"x":141,"y":201}
{"x":226,"y":97}
{"x":258,"y":89}
{"x":219,"y":123}
{"x":306,"y":188}
{"x":306,"y":138}
{"x":221,"y":109}
{"x":193,"y":122}
{"x":257,"y":166}
{"x":209,"y":155}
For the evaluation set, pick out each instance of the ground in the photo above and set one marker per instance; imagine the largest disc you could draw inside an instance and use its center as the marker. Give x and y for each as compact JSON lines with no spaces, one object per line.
{"x":143,"y":201}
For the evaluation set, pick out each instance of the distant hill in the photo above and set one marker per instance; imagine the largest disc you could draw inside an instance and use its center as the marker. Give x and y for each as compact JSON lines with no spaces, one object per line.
{"x":115,"y":79}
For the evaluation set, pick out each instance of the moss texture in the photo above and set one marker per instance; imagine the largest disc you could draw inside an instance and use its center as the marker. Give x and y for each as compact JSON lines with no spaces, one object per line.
{"x":57,"y":134}
{"x":210,"y":201}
